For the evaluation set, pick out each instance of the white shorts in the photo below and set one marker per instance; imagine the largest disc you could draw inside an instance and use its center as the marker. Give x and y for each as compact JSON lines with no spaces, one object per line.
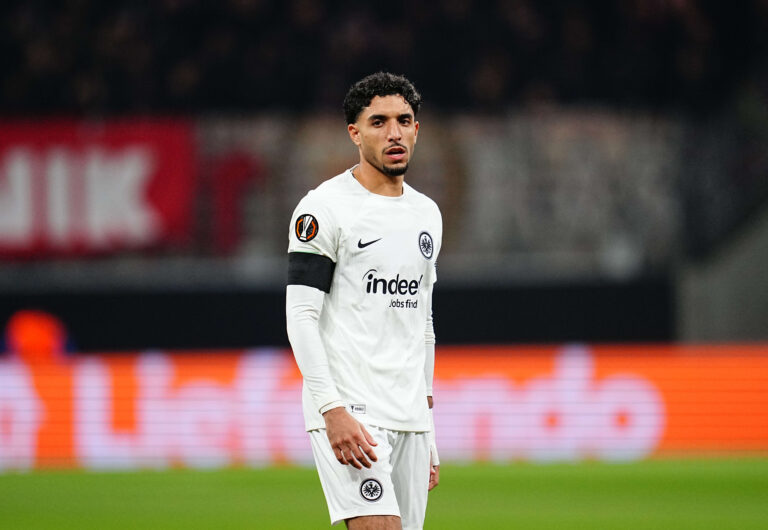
{"x":396,"y":484}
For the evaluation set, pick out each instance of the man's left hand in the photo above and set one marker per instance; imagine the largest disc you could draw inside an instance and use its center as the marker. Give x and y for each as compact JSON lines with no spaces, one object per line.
{"x":434,"y":476}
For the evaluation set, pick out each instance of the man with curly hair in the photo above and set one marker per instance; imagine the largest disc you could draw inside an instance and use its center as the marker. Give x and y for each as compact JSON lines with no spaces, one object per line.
{"x":361,"y":255}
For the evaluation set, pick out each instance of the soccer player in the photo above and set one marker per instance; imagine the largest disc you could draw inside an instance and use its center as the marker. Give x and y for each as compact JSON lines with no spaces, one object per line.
{"x":361,"y":266}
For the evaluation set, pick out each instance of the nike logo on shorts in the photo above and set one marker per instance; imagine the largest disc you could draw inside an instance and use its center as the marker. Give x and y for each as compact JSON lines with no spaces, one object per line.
{"x":360,"y":243}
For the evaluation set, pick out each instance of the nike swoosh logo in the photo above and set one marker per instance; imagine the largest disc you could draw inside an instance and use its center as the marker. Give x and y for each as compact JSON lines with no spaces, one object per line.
{"x":360,"y":243}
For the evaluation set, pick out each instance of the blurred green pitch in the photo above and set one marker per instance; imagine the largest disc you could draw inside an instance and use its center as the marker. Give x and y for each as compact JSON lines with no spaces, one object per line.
{"x":674,"y":494}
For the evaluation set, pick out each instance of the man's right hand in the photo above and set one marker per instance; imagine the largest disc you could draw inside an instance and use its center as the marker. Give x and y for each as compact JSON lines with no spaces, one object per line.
{"x":350,"y":441}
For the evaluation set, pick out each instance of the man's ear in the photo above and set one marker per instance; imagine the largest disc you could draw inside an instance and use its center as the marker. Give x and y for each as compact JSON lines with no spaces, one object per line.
{"x":415,"y":131}
{"x":354,"y":133}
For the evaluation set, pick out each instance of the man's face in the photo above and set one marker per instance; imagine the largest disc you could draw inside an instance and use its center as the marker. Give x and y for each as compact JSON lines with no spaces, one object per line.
{"x":386,"y":132}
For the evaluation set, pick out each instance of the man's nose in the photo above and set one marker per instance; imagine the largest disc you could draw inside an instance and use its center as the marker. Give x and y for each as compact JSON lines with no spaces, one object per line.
{"x":394,"y":133}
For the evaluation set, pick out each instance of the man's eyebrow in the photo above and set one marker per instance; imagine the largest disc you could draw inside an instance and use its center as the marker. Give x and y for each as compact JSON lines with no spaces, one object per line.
{"x":382,"y":117}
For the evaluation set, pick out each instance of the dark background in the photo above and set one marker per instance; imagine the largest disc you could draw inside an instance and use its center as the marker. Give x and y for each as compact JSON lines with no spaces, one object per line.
{"x":705,"y":61}
{"x":132,"y":319}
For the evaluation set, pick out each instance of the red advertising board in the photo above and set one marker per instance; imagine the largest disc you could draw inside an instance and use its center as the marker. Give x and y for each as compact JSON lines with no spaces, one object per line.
{"x":221,"y":408}
{"x":79,"y":187}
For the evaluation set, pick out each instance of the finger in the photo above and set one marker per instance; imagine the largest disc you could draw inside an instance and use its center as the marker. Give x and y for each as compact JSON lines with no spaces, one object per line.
{"x":369,"y":452}
{"x":365,"y":445}
{"x":340,"y":456}
{"x":368,"y":437}
{"x":361,"y":458}
{"x":353,"y":461}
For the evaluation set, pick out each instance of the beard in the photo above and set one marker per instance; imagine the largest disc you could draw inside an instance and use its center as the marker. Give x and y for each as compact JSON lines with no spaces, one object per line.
{"x":394,"y":171}
{"x":390,"y":171}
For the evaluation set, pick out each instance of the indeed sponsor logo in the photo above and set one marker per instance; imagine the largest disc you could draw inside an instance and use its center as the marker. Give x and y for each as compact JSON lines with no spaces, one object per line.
{"x":393,"y":286}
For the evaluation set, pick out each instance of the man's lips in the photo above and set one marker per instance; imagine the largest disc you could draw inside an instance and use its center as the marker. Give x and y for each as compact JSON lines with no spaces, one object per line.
{"x":396,"y":152}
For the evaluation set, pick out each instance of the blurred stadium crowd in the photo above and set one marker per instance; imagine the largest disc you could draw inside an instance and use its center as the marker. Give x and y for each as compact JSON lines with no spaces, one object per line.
{"x":90,"y":57}
{"x":163,"y":145}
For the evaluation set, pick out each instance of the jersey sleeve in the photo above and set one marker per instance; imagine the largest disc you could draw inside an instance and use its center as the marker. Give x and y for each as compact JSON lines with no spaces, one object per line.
{"x":313,"y":229}
{"x":429,"y":348}
{"x":438,"y":243}
{"x":303,"y":306}
{"x":429,"y":332}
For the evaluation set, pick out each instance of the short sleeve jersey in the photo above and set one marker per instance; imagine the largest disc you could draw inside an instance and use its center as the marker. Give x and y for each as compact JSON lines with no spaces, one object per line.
{"x":373,"y":319}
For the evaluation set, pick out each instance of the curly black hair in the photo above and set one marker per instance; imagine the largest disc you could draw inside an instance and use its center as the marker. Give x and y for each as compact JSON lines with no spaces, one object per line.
{"x":379,"y":84}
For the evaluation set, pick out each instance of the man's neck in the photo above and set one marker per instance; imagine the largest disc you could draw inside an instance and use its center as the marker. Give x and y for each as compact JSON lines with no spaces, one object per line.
{"x":377,"y":182}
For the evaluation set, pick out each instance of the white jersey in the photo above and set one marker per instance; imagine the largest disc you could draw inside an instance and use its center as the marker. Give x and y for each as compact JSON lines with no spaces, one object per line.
{"x":373,"y":319}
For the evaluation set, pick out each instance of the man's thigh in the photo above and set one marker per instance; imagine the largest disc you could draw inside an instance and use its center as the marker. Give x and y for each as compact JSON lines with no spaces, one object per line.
{"x":410,"y":476}
{"x":357,"y":493}
{"x":374,"y":522}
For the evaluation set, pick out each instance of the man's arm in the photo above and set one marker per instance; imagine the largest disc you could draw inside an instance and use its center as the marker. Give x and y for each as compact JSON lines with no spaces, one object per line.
{"x":303,"y":305}
{"x":350,"y":441}
{"x":429,"y":374}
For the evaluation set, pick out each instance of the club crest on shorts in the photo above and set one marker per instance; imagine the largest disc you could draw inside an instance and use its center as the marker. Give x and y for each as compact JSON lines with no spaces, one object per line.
{"x":306,"y":227}
{"x":425,"y":245}
{"x":371,"y":490}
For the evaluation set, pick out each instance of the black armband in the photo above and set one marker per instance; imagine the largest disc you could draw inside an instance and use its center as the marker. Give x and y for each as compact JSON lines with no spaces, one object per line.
{"x":312,"y":270}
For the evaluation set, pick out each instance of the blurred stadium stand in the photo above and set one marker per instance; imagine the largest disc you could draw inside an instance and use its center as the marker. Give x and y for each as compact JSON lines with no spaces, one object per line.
{"x":594,"y":161}
{"x":236,"y":55}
